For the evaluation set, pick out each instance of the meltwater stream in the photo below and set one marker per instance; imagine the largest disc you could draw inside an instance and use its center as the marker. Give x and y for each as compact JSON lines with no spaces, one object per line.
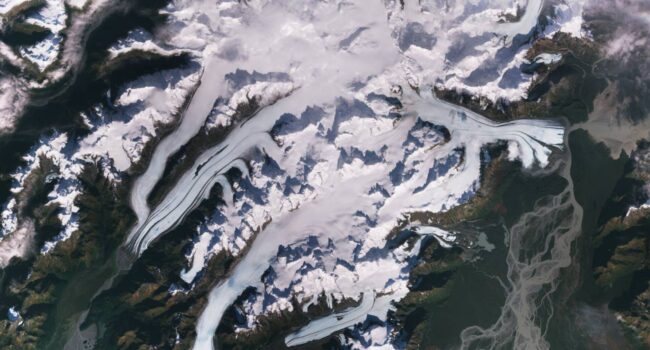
{"x":539,"y":246}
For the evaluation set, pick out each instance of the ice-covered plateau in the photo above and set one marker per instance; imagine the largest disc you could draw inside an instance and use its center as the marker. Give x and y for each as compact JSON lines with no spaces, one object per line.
{"x":329,"y":170}
{"x":348,"y":140}
{"x":323,"y":190}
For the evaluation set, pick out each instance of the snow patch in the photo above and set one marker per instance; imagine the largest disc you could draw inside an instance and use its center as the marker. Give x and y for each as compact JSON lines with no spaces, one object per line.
{"x":52,"y":16}
{"x":17,"y":244}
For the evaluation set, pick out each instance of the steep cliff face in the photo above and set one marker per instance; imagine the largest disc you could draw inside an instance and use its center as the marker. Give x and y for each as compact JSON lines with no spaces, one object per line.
{"x":620,"y":263}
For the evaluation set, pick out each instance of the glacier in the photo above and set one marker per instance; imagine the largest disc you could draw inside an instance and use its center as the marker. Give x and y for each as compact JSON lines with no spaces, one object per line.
{"x":347,"y":141}
{"x":310,"y":159}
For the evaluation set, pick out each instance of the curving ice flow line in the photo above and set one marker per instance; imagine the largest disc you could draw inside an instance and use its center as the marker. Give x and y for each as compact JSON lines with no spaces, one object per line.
{"x":470,"y":130}
{"x":508,"y":30}
{"x":322,"y":327}
{"x":525,"y":23}
{"x":209,"y":169}
{"x":193,"y":119}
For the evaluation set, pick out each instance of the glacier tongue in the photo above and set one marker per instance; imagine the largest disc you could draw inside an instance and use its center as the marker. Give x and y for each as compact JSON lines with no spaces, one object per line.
{"x":323,"y":327}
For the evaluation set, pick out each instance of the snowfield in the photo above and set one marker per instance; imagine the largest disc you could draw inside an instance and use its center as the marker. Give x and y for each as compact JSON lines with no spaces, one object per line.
{"x":348,"y":140}
{"x":116,"y":138}
{"x":53,"y":17}
{"x":8,"y":5}
{"x":351,"y":141}
{"x":344,"y":176}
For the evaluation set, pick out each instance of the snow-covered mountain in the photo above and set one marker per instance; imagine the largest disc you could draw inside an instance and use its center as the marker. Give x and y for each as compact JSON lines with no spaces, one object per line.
{"x":321,"y":161}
